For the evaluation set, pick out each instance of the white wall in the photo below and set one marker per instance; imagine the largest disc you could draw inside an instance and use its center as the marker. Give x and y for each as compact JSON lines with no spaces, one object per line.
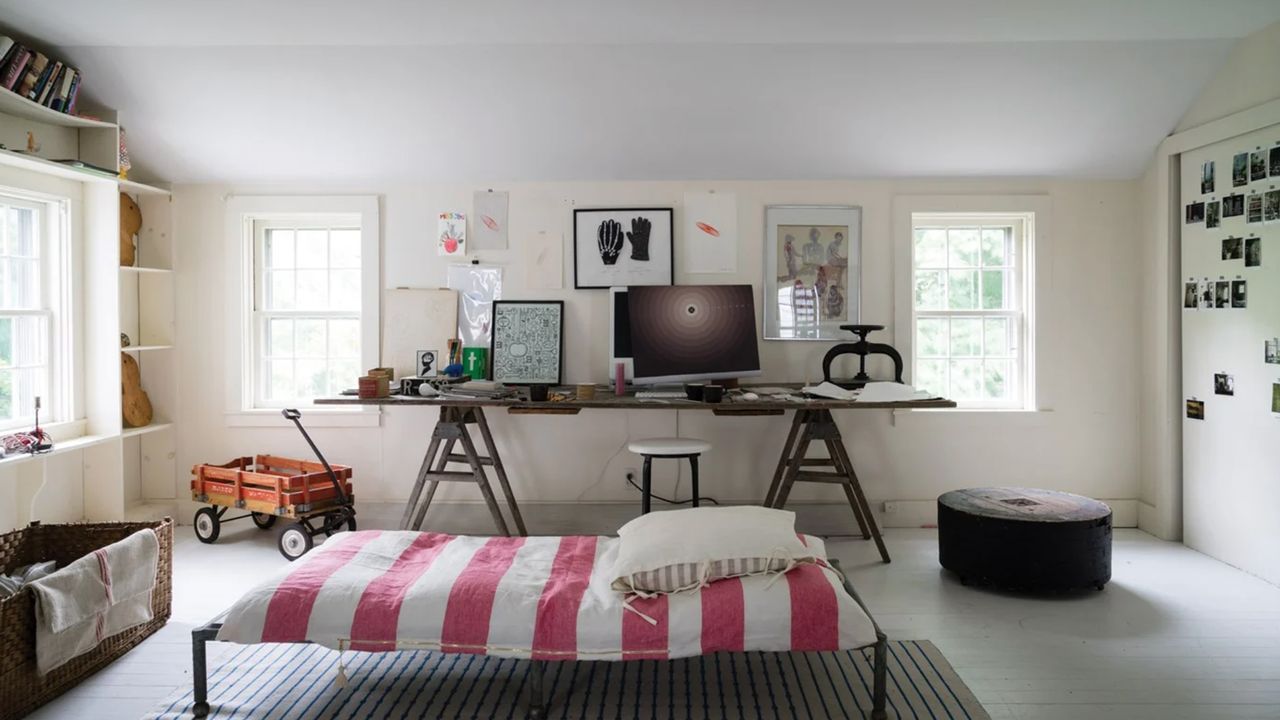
{"x":1247,"y":79}
{"x":1087,"y":442}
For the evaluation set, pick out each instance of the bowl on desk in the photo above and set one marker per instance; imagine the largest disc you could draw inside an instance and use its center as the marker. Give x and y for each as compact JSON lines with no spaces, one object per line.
{"x":712,"y":393}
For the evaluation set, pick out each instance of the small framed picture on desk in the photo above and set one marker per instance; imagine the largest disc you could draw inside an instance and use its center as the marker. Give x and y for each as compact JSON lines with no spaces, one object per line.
{"x":527,"y":345}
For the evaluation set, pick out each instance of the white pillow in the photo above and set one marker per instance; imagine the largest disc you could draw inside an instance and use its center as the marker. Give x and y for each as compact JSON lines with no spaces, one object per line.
{"x":675,"y":550}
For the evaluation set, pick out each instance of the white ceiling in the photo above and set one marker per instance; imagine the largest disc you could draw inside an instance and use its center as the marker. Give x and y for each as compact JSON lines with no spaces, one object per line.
{"x":332,"y":91}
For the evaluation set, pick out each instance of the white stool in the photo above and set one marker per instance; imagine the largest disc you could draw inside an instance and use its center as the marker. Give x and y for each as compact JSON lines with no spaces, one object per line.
{"x":651,"y":448}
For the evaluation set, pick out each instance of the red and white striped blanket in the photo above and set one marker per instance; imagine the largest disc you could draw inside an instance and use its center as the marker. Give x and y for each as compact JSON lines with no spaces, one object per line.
{"x":548,"y":598}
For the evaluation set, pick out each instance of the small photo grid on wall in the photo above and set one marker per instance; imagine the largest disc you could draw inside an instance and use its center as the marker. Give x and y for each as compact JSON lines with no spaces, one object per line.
{"x":1195,"y":409}
{"x":1239,"y":294}
{"x":1271,"y":351}
{"x":1253,"y":252}
{"x":1275,"y":399}
{"x":1253,"y":208}
{"x":1274,"y":161}
{"x":1232,"y":248}
{"x":1212,"y":214}
{"x":1224,"y":384}
{"x":1233,"y":206}
{"x":1206,"y":178}
{"x":1195,"y":212}
{"x":1240,"y":170}
{"x":1222,"y":294}
{"x":1271,"y":206}
{"x":1257,"y":165}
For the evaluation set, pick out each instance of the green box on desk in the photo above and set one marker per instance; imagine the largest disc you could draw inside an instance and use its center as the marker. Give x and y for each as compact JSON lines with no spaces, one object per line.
{"x":475,"y":362}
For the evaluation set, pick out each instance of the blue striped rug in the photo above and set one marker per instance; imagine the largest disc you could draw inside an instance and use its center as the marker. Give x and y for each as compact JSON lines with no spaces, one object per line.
{"x":298,"y":681}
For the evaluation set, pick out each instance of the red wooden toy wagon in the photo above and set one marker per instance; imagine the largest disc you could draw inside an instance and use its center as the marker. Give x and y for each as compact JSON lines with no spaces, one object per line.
{"x":316,"y":497}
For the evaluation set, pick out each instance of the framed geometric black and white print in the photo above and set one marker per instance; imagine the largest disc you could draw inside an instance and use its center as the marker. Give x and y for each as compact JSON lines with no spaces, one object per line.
{"x":527,"y":345}
{"x":614,"y":247}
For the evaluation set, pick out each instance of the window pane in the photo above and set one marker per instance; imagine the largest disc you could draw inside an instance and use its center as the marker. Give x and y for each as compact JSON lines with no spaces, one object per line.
{"x":29,"y":341}
{"x":313,"y":290}
{"x":929,"y":285}
{"x":24,"y":284}
{"x":6,"y":341}
{"x":993,"y":289}
{"x":343,"y":375}
{"x":279,"y":290}
{"x":344,"y":248}
{"x":963,"y":246}
{"x":995,"y":246}
{"x":344,"y":339}
{"x":966,"y":379}
{"x":312,"y":379}
{"x":279,"y":379}
{"x":931,"y":375}
{"x":279,"y":337}
{"x":931,"y":248}
{"x":344,"y":290}
{"x":962,"y":289}
{"x":313,"y":248}
{"x":996,"y":337}
{"x":996,"y":379}
{"x":309,"y":338}
{"x":931,"y":337}
{"x":22,"y":241}
{"x":966,"y":337}
{"x":279,"y":251}
{"x":6,"y":395}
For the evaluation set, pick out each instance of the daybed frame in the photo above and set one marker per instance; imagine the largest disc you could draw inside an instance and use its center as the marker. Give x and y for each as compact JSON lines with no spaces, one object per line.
{"x":537,"y":699}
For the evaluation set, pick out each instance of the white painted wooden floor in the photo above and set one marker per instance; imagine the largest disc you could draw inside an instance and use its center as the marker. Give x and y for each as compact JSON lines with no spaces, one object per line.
{"x":1175,"y":636}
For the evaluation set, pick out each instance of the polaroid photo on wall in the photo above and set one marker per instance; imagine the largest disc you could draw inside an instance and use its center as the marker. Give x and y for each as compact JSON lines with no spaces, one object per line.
{"x":1195,"y":212}
{"x":1271,"y":206}
{"x":1274,"y":161}
{"x":1206,"y":178}
{"x":1222,"y":294}
{"x":1275,"y":398}
{"x":1224,"y":384}
{"x":1240,"y":170}
{"x":1191,"y":297}
{"x":1253,"y":209}
{"x":1232,"y":206}
{"x":1253,"y":252}
{"x":1195,"y":409}
{"x":1232,"y":248}
{"x":1271,"y":351}
{"x":1206,"y":294}
{"x":1258,"y":165}
{"x":1212,"y":213}
{"x":1239,"y":294}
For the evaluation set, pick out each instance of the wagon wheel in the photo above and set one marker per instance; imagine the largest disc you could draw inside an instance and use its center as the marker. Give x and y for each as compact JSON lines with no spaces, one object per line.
{"x":328,"y":517}
{"x":207,"y":525}
{"x":263,"y":520}
{"x":294,"y":541}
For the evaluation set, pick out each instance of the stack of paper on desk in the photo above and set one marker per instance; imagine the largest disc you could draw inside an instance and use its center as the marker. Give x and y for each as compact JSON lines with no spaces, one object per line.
{"x":891,"y":392}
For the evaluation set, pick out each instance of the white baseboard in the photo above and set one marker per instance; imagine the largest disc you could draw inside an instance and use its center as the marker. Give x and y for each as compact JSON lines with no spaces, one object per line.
{"x":605,"y":518}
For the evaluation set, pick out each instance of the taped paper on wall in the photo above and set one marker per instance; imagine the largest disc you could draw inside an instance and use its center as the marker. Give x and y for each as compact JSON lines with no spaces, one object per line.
{"x":451,"y":234}
{"x":543,"y":260}
{"x":478,"y":286}
{"x":489,"y":210}
{"x":710,"y":240}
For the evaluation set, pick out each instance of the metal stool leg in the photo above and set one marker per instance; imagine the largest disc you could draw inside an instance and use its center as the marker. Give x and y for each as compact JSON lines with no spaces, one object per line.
{"x":693,"y":473}
{"x":645,"y":484}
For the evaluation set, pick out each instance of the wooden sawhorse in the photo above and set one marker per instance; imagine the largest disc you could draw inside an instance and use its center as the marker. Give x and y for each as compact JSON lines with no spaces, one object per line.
{"x":806,"y":427}
{"x":451,"y":430}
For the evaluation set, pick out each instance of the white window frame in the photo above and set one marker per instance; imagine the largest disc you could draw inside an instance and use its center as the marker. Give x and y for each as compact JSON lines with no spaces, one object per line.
{"x":56,"y":305}
{"x":244,"y":214}
{"x":1032,"y":212}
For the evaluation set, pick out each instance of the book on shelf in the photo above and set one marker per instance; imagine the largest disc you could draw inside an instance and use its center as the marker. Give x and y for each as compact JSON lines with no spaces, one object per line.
{"x":7,"y":48}
{"x":61,"y":102}
{"x":55,"y":75}
{"x":81,"y":165}
{"x":35,"y":70}
{"x":13,"y":71}
{"x":43,"y":80}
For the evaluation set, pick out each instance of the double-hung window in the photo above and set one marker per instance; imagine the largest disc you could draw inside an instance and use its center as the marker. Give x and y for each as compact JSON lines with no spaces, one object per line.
{"x":33,"y":277}
{"x":971,"y":292}
{"x":310,"y":286}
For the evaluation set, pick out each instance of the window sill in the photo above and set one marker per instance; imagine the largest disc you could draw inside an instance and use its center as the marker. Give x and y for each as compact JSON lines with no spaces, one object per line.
{"x":978,"y":416}
{"x":312,"y":417}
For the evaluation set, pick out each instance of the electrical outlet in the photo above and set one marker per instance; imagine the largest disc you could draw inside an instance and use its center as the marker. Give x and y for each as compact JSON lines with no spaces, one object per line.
{"x":629,"y":476}
{"x":890,"y":507}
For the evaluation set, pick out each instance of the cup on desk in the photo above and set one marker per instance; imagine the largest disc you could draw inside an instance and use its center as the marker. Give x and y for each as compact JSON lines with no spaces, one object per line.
{"x":586,"y":391}
{"x":538,"y":393}
{"x":694,"y":391}
{"x":712,"y":393}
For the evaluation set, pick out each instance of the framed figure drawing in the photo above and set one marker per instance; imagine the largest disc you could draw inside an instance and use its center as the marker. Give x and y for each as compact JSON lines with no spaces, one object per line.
{"x":812,"y":271}
{"x":527,"y":345}
{"x":623,"y":246}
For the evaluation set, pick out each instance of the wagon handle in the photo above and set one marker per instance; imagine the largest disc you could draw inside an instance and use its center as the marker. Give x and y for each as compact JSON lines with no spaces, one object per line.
{"x":293,"y":415}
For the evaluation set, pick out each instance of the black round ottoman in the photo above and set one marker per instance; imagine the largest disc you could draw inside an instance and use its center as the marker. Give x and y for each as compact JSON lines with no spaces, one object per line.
{"x":1025,"y":539}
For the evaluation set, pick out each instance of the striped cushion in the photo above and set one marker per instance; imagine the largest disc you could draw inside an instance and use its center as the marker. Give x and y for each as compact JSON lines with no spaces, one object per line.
{"x":687,"y":576}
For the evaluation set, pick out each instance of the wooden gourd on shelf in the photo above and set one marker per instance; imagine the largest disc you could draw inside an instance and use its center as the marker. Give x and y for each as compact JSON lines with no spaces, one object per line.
{"x":136,"y":406}
{"x":130,"y":224}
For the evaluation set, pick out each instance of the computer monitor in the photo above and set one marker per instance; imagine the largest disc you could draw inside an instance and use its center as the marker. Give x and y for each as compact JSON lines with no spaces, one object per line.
{"x":620,"y":333}
{"x":692,"y":332}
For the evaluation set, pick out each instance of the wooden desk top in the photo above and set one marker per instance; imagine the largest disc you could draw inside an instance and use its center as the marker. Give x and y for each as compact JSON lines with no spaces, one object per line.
{"x":605,"y":400}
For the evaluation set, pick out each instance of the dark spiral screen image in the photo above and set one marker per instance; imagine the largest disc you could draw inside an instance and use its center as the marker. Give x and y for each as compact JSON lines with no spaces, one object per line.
{"x":686,"y":331}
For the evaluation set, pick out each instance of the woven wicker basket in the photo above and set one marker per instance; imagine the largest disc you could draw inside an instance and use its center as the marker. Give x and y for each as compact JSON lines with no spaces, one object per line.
{"x":21,"y":687}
